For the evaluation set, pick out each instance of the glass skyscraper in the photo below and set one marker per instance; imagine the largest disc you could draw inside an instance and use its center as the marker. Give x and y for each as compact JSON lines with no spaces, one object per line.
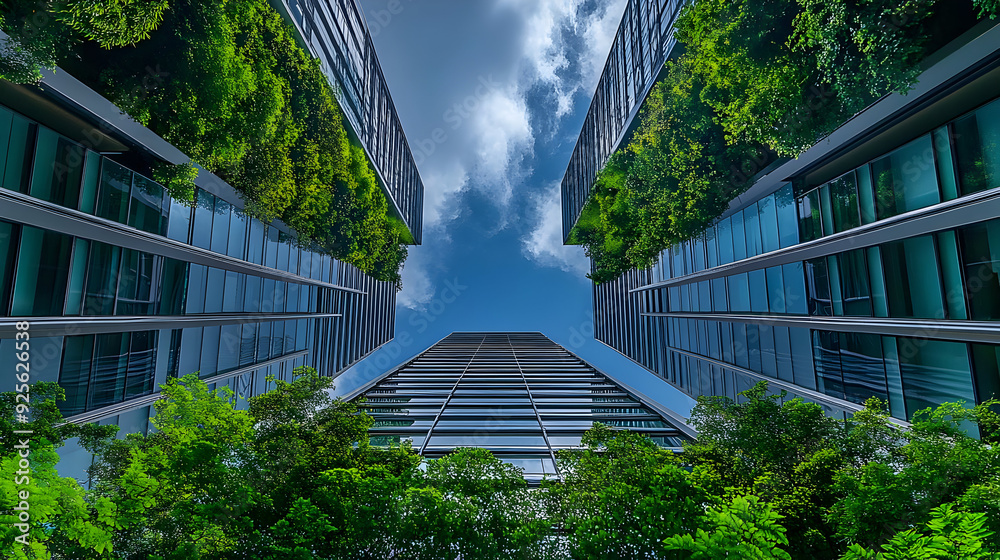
{"x":519,"y":395}
{"x":125,"y":287}
{"x":864,"y":268}
{"x":336,"y":33}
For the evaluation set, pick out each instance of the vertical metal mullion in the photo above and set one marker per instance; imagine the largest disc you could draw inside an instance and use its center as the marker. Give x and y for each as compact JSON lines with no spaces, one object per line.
{"x":534,"y":407}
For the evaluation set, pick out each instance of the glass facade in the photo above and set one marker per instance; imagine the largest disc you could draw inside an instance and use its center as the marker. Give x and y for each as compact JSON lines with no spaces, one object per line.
{"x":336,"y":33}
{"x":869,"y":271}
{"x":125,"y":287}
{"x":520,"y":395}
{"x":644,"y":40}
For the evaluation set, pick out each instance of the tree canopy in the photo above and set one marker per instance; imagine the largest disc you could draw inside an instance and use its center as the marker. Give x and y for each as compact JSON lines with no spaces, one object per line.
{"x":293,"y":475}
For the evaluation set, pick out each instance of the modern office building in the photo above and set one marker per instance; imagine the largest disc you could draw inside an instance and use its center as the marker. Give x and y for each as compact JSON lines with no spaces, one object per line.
{"x":125,"y":287}
{"x":336,"y":33}
{"x":867,"y":267}
{"x":520,"y":395}
{"x":643,"y":43}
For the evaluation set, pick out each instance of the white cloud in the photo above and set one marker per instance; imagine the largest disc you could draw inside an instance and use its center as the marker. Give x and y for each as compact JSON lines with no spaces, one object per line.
{"x":504,"y":136}
{"x":544,"y":244}
{"x":441,"y":184}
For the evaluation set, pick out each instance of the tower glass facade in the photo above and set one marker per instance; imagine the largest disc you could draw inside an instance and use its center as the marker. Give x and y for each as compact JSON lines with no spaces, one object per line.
{"x":519,"y":395}
{"x":336,"y":33}
{"x":125,"y":287}
{"x":864,"y":268}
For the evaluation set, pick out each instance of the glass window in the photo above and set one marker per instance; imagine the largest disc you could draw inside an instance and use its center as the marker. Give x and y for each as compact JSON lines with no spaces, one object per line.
{"x":220,"y":226}
{"x":42,"y":273}
{"x":8,"y":253}
{"x":844,"y":196}
{"x":802,"y":358}
{"x":18,"y":154}
{"x":136,"y":284}
{"x":894,"y":379}
{"x":826,"y":209}
{"x":826,"y":354}
{"x":698,"y":253}
{"x":906,"y":179}
{"x":178,"y":221}
{"x":111,"y":355}
{"x":719,"y":298}
{"x":58,"y":169}
{"x":951,"y":274}
{"x":739,"y":294}
{"x":751,"y":220}
{"x":91,"y":182}
{"x":986,"y":359}
{"x":712,"y":245}
{"x":102,"y":279}
{"x":174,"y":287}
{"x":758,"y":291}
{"x":788,"y":226}
{"x":934,"y":372}
{"x":783,"y":354}
{"x":237,"y":234}
{"x":768,"y":213}
{"x":258,"y":233}
{"x":913,"y":279}
{"x":204,"y":211}
{"x":141,"y":364}
{"x":768,"y":365}
{"x":981,"y":260}
{"x":810,"y":220}
{"x":795,"y":288}
{"x":74,"y":375}
{"x":866,"y":194}
{"x":775,"y":290}
{"x":113,"y":197}
{"x":214,"y":290}
{"x":977,"y":149}
{"x":739,"y":237}
{"x":725,"y":228}
{"x":945,"y":163}
{"x":863,"y":367}
{"x":854,"y":288}
{"x":879,"y":301}
{"x":148,"y":211}
{"x":818,"y":285}
{"x":233,"y":298}
{"x":196,"y":288}
{"x":741,"y":354}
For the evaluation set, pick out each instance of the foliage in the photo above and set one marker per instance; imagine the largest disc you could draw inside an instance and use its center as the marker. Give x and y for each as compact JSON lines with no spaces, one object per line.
{"x":988,"y":8}
{"x":114,"y":23}
{"x":36,"y":39}
{"x":55,"y":506}
{"x":745,"y":528}
{"x":621,"y":496}
{"x":178,"y":179}
{"x":756,"y":81}
{"x":950,"y":534}
{"x":227,"y":84}
{"x":293,"y":475}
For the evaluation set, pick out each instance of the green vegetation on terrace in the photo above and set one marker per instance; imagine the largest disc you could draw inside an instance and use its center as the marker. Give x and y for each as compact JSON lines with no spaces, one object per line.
{"x":756,"y":81}
{"x":227,"y":84}
{"x":294,"y":476}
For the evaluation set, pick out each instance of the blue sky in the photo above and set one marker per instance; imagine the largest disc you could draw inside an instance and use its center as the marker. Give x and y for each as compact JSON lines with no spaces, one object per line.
{"x":492,"y":95}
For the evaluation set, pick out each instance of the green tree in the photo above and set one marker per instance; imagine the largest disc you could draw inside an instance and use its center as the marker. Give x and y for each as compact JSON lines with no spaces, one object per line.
{"x":949,"y":534}
{"x":622,"y":495}
{"x":60,"y":517}
{"x":746,"y":529}
{"x":114,"y":23}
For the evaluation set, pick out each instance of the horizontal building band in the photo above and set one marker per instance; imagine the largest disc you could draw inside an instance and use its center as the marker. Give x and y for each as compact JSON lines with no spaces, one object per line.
{"x":952,"y":214}
{"x":797,"y":390}
{"x":23,"y":209}
{"x":146,"y":400}
{"x":961,"y":331}
{"x":73,"y":326}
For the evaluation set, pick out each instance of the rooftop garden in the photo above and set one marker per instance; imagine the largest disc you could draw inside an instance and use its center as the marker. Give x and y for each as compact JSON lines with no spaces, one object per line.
{"x":228,"y":85}
{"x":755,"y":82}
